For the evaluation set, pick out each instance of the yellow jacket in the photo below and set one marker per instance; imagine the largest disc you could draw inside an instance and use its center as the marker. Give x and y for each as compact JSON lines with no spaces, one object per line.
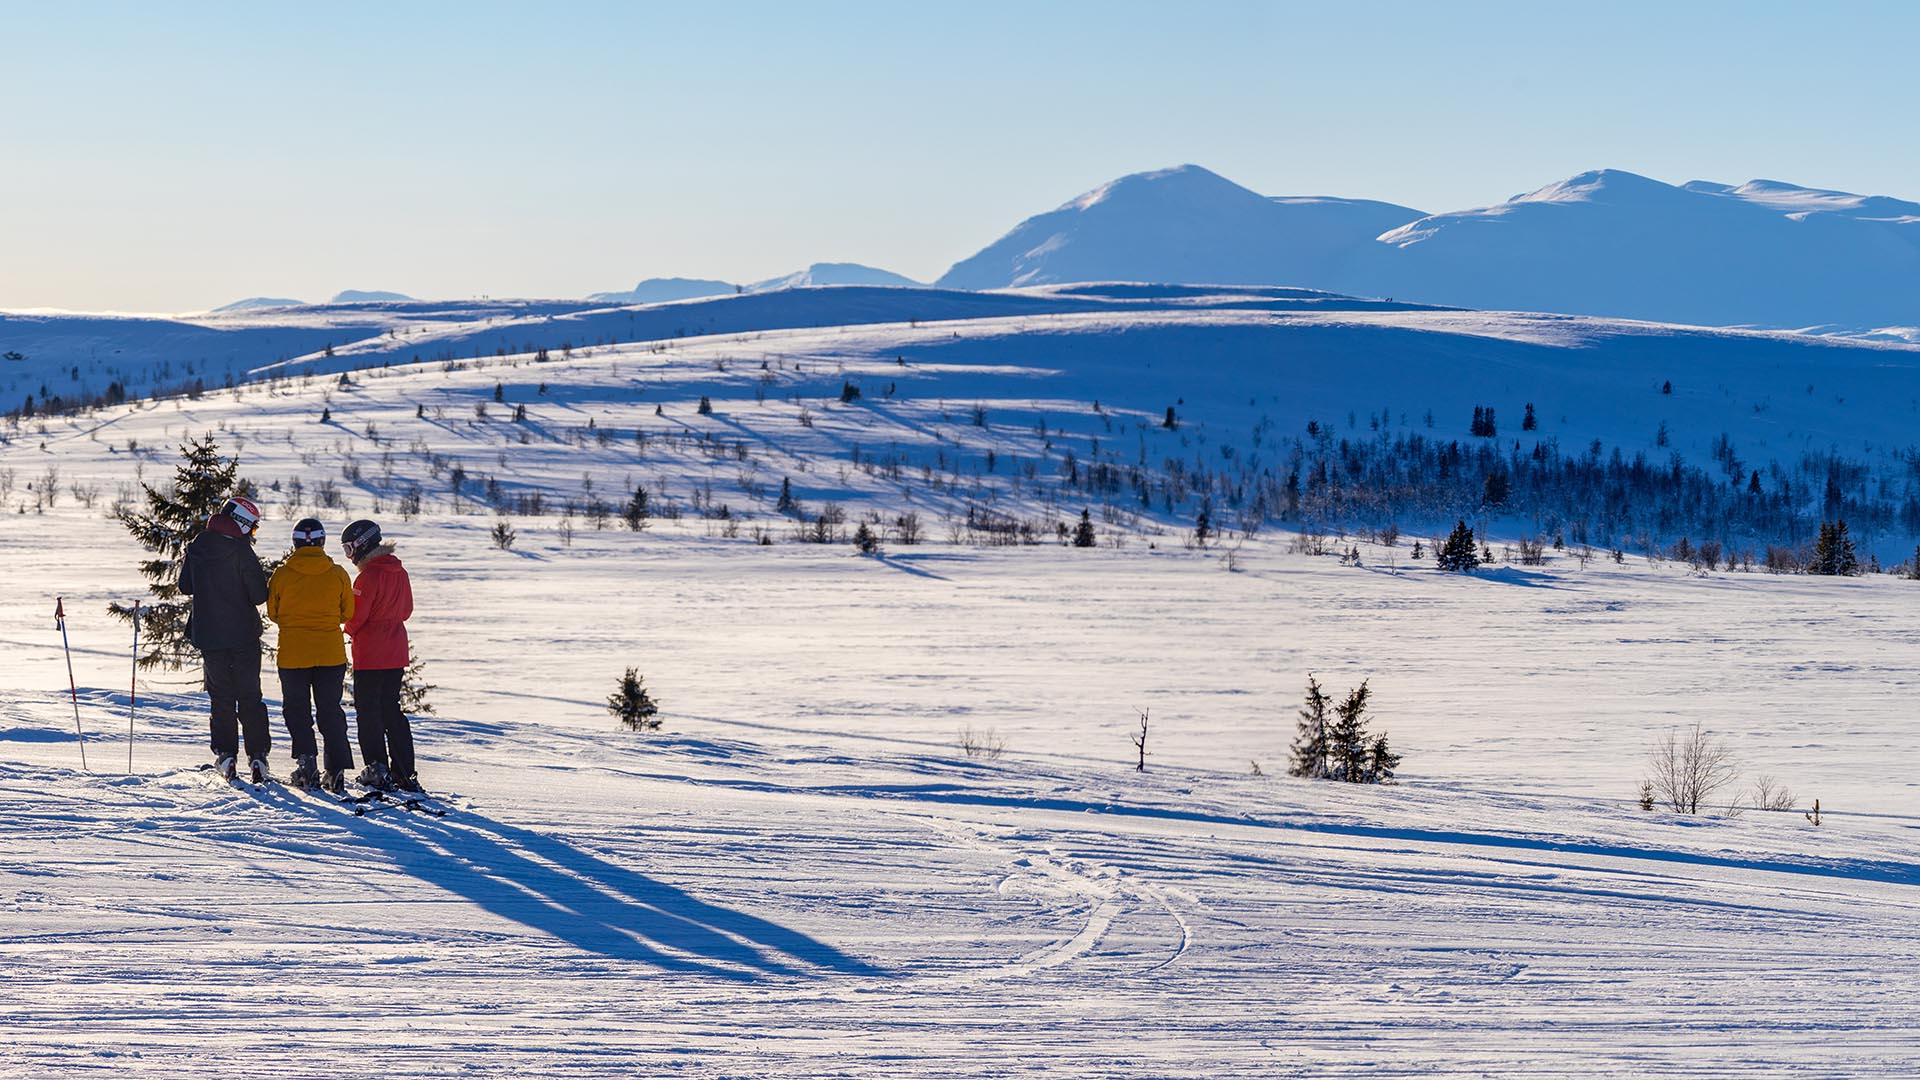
{"x":309,"y":597}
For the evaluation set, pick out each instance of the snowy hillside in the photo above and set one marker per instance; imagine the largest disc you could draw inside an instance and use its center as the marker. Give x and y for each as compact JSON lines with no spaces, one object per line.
{"x":77,"y":357}
{"x":1602,"y":243}
{"x":1186,"y":225}
{"x":806,"y":873}
{"x":1613,"y":243}
{"x":1289,"y":407}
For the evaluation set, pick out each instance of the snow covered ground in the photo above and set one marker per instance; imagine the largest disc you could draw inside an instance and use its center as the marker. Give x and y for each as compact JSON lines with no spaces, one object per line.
{"x":804,"y":875}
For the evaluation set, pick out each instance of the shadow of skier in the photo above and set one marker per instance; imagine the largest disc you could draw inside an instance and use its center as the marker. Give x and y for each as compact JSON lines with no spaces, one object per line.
{"x":582,"y":899}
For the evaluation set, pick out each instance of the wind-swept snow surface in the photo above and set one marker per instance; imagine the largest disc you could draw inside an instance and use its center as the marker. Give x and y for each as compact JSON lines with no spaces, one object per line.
{"x":804,"y":876}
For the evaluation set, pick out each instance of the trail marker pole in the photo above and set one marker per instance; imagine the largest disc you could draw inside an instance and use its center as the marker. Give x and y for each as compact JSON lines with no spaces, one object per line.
{"x":133,"y":685}
{"x":60,"y":616}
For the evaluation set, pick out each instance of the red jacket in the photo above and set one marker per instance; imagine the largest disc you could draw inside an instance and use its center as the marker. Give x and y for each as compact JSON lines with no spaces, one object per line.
{"x":383,"y":598}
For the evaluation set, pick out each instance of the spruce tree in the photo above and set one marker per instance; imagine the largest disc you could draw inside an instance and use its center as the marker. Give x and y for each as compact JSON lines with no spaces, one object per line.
{"x":1381,"y":761}
{"x":1833,"y":552}
{"x":1845,"y":562}
{"x":414,"y":687}
{"x":1458,"y":554}
{"x":174,"y":514}
{"x":1347,"y":746}
{"x":633,"y":704}
{"x":786,"y":503}
{"x":1310,"y":744}
{"x":636,"y":513}
{"x":1083,"y":532}
{"x":1202,"y":528}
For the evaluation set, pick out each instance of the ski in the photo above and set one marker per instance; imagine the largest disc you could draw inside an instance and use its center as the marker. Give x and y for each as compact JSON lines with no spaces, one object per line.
{"x":375,"y":800}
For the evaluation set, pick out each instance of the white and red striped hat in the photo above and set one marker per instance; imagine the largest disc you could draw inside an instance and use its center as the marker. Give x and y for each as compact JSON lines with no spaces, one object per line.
{"x":243,"y":512}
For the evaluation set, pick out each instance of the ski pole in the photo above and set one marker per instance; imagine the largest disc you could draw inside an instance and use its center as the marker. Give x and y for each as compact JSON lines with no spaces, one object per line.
{"x":60,"y":616}
{"x":133,"y":685}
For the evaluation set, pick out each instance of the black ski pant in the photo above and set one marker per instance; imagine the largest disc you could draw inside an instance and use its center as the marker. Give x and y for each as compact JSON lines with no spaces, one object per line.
{"x":233,"y":694}
{"x":309,"y":691}
{"x":386,"y":738}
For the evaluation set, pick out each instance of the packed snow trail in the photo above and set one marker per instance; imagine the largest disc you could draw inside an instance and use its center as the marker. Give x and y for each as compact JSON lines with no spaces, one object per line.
{"x":771,"y":914}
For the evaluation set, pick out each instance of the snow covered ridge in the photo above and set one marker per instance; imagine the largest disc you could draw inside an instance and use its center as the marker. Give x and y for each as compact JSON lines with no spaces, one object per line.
{"x":999,"y":416}
{"x":77,"y":357}
{"x":1606,"y":242}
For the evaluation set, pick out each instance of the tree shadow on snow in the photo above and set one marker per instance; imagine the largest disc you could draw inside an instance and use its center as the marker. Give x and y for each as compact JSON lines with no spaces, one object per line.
{"x":588,"y":902}
{"x":905,"y":564}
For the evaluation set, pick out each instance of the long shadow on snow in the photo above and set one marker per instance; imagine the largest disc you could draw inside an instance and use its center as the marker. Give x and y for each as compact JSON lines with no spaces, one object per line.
{"x":584,"y":900}
{"x":1897,"y":873}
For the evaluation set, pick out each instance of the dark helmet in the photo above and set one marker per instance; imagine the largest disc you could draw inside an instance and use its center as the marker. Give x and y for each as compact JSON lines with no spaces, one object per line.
{"x":309,"y":533}
{"x":243,"y":512}
{"x":359,"y":538}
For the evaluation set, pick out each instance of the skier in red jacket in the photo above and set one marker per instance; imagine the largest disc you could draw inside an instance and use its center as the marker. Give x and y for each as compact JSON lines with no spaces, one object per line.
{"x":383,"y":599}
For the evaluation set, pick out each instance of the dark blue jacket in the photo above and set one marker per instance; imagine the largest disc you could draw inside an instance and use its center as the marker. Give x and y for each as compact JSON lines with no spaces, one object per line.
{"x":227,"y":583}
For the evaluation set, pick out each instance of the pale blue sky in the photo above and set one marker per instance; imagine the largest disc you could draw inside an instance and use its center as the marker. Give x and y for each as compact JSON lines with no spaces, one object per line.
{"x":176,"y":156}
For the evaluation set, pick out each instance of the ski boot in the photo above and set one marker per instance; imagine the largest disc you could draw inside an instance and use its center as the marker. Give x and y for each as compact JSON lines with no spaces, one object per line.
{"x":259,"y":770}
{"x":306,"y":774}
{"x":333,"y":782}
{"x":408,"y":782}
{"x":375,"y":776}
{"x":223,"y":766}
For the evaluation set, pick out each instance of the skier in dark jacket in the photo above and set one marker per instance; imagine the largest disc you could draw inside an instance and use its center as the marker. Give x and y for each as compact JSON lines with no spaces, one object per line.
{"x":382,"y":602}
{"x":227,"y":583}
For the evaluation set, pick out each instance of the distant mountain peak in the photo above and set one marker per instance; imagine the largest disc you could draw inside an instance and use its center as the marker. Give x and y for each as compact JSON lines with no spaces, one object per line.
{"x":833,"y":273}
{"x":662,"y":290}
{"x":1600,"y":185}
{"x":367,"y":296}
{"x":1187,"y":225}
{"x":255,"y":303}
{"x":1180,"y":181}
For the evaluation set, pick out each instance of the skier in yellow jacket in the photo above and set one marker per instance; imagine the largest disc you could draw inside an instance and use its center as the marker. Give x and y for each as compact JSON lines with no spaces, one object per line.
{"x":309,"y":598}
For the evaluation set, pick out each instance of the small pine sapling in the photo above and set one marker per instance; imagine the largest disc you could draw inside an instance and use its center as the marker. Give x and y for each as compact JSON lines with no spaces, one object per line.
{"x":1381,"y":761}
{"x":414,"y":686}
{"x":637,"y":514}
{"x":1458,"y":554}
{"x":1083,"y":533}
{"x":632,"y":703}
